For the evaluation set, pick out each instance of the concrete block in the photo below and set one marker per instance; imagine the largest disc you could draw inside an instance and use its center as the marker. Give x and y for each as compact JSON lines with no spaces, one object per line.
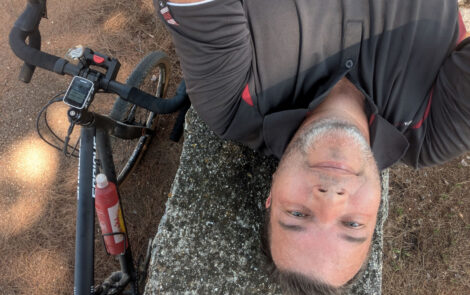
{"x":208,"y":239}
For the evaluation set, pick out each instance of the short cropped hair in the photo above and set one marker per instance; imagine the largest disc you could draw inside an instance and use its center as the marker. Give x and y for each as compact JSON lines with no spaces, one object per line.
{"x":294,"y":283}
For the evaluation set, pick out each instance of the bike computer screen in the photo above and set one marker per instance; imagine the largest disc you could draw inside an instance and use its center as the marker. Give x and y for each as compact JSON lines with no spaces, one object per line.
{"x":79,"y":93}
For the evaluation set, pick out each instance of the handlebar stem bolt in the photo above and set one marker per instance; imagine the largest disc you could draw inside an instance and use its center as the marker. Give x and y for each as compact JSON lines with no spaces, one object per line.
{"x":74,"y":115}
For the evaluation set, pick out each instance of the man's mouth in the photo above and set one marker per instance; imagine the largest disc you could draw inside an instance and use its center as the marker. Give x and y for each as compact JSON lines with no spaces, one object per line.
{"x":335,"y":167}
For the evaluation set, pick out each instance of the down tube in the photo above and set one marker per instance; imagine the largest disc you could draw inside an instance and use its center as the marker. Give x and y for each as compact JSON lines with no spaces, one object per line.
{"x":84,"y":247}
{"x":106,"y":159}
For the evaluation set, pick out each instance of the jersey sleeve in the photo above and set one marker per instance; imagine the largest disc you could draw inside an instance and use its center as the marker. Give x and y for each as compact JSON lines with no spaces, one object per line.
{"x":447,"y":132}
{"x":213,"y":43}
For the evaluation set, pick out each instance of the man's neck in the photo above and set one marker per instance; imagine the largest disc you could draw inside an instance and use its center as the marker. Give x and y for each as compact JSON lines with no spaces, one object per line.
{"x":345,"y":102}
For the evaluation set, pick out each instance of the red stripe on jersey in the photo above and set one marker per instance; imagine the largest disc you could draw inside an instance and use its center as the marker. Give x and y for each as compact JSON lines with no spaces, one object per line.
{"x":426,"y":113}
{"x":372,"y":119}
{"x":246,"y":96}
{"x":462,"y":35}
{"x":462,"y":29}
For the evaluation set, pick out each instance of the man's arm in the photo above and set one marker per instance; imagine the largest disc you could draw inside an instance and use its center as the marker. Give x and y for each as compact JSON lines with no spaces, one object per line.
{"x":448,"y":127}
{"x":213,"y":42}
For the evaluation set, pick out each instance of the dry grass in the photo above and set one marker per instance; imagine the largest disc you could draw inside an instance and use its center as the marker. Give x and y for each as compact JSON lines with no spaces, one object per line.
{"x":428,"y":232}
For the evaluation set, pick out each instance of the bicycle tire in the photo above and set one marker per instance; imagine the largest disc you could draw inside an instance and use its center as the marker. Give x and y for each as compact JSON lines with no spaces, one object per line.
{"x":151,"y":75}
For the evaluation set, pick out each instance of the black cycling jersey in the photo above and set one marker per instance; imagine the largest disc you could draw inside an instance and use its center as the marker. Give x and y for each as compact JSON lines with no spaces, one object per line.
{"x":254,"y":68}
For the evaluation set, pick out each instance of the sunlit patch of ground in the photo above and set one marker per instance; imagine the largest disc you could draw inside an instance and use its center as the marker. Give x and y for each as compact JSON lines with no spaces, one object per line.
{"x":32,"y":162}
{"x":30,"y":167}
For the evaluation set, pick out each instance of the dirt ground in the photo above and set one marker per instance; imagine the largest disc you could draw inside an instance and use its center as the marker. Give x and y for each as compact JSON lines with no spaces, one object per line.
{"x":427,"y":236}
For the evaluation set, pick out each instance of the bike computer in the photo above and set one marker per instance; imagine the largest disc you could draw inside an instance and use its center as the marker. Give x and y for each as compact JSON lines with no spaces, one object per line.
{"x":79,"y":93}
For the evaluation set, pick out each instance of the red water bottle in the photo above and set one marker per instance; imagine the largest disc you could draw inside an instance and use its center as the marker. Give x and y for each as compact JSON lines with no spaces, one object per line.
{"x":109,"y":215}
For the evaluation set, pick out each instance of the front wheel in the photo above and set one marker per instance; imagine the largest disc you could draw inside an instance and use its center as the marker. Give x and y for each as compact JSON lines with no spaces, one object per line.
{"x":150,"y":75}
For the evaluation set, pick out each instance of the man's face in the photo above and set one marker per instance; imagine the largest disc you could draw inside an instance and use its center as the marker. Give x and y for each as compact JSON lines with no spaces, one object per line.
{"x":324,"y":202}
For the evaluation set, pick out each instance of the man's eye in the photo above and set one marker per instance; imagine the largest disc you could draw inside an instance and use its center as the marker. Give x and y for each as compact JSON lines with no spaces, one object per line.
{"x":297,"y":214}
{"x":353,"y":224}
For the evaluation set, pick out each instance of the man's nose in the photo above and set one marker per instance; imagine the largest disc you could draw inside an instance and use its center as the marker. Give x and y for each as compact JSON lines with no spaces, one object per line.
{"x":330,"y":192}
{"x":335,"y":188}
{"x":330,"y":201}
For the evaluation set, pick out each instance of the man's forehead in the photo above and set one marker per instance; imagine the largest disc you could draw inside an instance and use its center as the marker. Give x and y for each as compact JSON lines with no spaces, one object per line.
{"x":327,"y":259}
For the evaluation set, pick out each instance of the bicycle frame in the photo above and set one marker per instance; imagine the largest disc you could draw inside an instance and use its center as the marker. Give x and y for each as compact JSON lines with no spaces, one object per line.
{"x":95,"y":148}
{"x":95,"y":152}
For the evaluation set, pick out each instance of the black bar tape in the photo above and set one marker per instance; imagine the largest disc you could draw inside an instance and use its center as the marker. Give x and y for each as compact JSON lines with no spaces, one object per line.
{"x":30,"y":55}
{"x":60,"y":65}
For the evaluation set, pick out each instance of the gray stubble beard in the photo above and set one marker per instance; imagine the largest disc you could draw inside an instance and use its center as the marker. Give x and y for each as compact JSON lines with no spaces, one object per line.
{"x":318,"y":130}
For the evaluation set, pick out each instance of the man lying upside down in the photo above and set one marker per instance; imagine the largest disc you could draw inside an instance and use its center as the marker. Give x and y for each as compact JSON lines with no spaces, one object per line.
{"x":338,"y":90}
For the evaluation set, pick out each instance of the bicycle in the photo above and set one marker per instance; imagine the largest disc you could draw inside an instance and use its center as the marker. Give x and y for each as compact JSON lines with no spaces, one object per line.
{"x":96,"y":73}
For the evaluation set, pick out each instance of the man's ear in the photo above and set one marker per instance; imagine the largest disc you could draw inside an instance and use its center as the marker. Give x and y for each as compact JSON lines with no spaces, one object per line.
{"x":268,"y":201}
